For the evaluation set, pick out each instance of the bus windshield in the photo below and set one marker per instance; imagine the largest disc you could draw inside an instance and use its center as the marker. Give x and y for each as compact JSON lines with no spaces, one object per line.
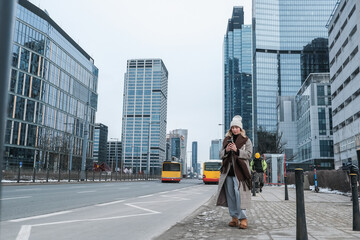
{"x":212,"y":166}
{"x":171,"y":167}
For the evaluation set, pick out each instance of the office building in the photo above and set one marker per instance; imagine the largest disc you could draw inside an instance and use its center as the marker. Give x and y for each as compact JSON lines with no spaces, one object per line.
{"x":114,"y":155}
{"x":178,"y":144}
{"x":238,"y":72}
{"x":215,"y":149}
{"x":345,"y":81}
{"x":52,"y":95}
{"x":100,"y":143}
{"x":144,"y":115}
{"x":194,"y":156}
{"x":283,"y":30}
{"x":314,"y":122}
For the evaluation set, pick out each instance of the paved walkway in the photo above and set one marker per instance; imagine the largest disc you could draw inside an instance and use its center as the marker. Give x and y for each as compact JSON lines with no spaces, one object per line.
{"x":328,"y":216}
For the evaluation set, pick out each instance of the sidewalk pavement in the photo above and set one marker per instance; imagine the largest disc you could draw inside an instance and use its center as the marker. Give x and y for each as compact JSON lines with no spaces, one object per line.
{"x":328,"y":216}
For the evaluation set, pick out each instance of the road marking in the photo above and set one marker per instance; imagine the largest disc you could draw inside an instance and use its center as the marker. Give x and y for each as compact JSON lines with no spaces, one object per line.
{"x":109,"y":203}
{"x":150,"y":195}
{"x":145,"y":209}
{"x":40,"y":216}
{"x":24,"y":233}
{"x":180,"y":198}
{"x":86,"y":191}
{"x":123,"y":188}
{"x":25,"y":230}
{"x":15,"y":198}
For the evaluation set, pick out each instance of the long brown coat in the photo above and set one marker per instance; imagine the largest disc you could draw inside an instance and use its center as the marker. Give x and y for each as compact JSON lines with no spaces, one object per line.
{"x":245,"y":152}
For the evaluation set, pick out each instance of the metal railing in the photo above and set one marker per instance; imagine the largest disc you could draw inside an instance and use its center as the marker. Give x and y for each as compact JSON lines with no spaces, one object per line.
{"x":43,"y":176}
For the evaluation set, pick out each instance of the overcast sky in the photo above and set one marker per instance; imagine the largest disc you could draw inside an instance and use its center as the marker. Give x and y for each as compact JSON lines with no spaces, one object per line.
{"x":186,"y":34}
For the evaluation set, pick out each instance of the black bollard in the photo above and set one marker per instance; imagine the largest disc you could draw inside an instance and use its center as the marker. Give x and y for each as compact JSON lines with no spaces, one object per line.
{"x":301,"y":231}
{"x":78,"y":179}
{"x":253,"y":185}
{"x":18,"y":177}
{"x":69,"y":175}
{"x":355,"y":200}
{"x":47,"y":174}
{"x":93,"y":175}
{"x":286,"y":189}
{"x":34,"y":174}
{"x":59,"y":175}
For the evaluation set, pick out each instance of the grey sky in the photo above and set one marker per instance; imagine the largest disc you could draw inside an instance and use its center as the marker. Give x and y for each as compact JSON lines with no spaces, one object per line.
{"x":186,"y":34}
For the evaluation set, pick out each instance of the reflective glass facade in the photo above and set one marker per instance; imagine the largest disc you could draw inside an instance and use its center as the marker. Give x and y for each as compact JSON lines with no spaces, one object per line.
{"x":144,"y":114}
{"x":52,"y":90}
{"x":237,"y":72}
{"x":194,"y":156}
{"x":100,"y":143}
{"x":282,"y":29}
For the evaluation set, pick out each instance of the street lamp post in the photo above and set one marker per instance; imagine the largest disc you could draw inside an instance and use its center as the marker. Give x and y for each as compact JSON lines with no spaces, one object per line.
{"x":116,"y":154}
{"x":148,"y":153}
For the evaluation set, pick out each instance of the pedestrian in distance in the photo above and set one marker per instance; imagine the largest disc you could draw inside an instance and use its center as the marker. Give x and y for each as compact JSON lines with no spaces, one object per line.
{"x":235,"y":176}
{"x":258,"y":167}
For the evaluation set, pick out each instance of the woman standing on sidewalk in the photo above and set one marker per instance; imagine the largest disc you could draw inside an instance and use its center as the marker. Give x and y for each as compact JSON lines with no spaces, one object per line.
{"x":235,"y":178}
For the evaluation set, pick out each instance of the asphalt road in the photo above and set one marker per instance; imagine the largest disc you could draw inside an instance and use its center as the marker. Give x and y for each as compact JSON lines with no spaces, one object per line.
{"x":113,"y":210}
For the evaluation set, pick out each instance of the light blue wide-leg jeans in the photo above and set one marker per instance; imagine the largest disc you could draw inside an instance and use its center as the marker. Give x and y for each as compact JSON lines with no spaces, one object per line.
{"x":233,"y":198}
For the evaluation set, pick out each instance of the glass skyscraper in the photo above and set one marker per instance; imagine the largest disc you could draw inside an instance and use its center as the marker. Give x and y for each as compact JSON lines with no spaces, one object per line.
{"x":100,"y":143}
{"x":52,"y":95}
{"x":282,"y":30}
{"x":144,"y":115}
{"x":194,"y":156}
{"x":238,"y":71}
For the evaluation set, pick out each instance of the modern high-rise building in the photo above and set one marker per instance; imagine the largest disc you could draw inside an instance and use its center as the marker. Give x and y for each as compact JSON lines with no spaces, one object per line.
{"x":178,"y":143}
{"x":238,"y":72}
{"x":52,"y":95}
{"x":215,"y":148}
{"x":282,"y":29}
{"x":144,"y":115}
{"x":194,"y":156}
{"x":315,"y":58}
{"x":114,"y":155}
{"x":100,"y":142}
{"x":345,"y":81}
{"x":314,"y":122}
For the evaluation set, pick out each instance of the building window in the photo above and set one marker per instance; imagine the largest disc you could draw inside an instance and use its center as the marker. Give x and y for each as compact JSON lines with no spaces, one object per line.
{"x":322,"y":121}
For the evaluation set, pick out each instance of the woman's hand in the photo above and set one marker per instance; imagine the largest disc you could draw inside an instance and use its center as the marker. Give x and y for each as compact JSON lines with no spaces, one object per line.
{"x":231,"y":146}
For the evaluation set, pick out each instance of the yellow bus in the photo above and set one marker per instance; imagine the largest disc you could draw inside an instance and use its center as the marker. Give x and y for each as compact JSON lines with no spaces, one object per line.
{"x":171,"y":172}
{"x":211,"y":171}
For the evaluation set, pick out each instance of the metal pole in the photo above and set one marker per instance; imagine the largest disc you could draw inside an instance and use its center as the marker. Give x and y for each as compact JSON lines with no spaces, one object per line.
{"x":286,"y":189}
{"x":355,"y":200}
{"x":301,"y":231}
{"x":7,"y":13}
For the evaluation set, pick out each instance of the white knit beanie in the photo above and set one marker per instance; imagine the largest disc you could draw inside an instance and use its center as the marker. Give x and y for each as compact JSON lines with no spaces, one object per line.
{"x":237,"y":121}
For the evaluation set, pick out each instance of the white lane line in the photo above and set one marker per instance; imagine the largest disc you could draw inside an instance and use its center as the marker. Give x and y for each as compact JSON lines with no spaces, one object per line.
{"x":150,"y":195}
{"x":86,"y":191}
{"x":109,"y":203}
{"x":145,"y":209}
{"x":26,"y":230}
{"x":15,"y":198}
{"x":40,"y":216}
{"x":24,"y":233}
{"x":180,"y":198}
